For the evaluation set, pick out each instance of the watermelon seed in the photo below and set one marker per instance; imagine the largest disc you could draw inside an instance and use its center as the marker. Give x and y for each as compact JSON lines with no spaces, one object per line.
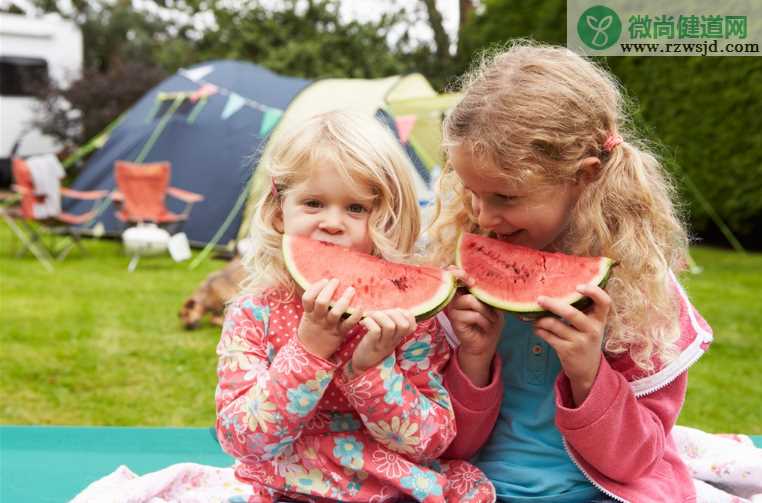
{"x":401,"y":283}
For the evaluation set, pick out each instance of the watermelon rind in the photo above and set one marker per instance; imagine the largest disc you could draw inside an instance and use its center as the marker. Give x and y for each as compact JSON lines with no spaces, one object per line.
{"x":532,"y":310}
{"x":441,"y":306}
{"x":426,"y":309}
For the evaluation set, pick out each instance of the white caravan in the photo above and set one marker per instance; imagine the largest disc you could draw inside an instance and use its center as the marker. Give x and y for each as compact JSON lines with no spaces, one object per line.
{"x":32,"y":49}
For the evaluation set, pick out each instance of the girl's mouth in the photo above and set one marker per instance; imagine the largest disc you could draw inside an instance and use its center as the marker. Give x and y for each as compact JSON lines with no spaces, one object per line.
{"x":505,"y":237}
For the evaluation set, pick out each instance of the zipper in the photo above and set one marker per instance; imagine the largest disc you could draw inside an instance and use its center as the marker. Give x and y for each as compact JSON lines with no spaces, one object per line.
{"x":588,"y":477}
{"x":695,"y":355}
{"x":694,"y":352}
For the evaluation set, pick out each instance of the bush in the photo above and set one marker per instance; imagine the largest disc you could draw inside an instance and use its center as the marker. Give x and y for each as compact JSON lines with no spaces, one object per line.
{"x":78,"y":113}
{"x":707,"y":113}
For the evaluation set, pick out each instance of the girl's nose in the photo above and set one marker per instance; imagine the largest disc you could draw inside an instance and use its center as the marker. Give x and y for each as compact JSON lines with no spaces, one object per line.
{"x":332,"y":221}
{"x":486,"y":218}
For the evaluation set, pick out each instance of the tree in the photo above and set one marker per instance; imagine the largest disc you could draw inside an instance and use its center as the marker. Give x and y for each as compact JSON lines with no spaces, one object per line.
{"x":115,"y":32}
{"x":304,"y":39}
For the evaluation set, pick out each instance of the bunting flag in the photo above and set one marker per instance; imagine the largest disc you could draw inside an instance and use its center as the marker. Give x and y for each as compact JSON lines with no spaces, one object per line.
{"x":271,"y":118}
{"x":234,"y":104}
{"x":198,"y":73}
{"x":405,"y":124}
{"x":203,"y":92}
{"x":234,"y":100}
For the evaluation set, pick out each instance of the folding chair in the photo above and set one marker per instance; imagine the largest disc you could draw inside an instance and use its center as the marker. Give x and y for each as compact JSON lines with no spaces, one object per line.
{"x":141,"y":195}
{"x":141,"y":201}
{"x":29,"y":224}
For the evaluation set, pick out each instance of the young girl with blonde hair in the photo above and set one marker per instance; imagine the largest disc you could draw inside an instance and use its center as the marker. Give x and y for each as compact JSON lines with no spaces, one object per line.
{"x":540,"y":154}
{"x":317,"y":405}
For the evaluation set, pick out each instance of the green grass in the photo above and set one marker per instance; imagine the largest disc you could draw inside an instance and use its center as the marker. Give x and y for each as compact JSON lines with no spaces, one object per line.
{"x":94,"y":344}
{"x":724,"y":390}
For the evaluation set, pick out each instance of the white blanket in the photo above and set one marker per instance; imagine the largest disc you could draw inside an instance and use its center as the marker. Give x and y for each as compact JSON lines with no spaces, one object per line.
{"x":726,"y":469}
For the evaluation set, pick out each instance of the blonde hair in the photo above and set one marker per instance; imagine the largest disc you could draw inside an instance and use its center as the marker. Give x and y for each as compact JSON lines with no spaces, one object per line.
{"x":530,"y":113}
{"x":367,"y":157}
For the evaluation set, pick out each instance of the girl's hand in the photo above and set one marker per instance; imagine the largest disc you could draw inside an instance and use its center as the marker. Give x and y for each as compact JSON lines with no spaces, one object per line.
{"x":321,"y":329}
{"x":578,"y":343}
{"x":477,"y":326}
{"x":386,"y":329}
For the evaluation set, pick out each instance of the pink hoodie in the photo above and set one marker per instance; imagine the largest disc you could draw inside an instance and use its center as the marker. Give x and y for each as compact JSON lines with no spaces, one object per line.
{"x":620,"y":436}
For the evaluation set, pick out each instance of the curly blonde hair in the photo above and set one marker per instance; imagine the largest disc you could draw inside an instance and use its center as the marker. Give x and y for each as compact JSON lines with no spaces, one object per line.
{"x":367,"y":157}
{"x":531,"y":113}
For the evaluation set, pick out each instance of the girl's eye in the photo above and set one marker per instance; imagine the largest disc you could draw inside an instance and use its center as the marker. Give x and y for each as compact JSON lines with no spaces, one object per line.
{"x":502,"y":198}
{"x":357,"y":208}
{"x":313,"y":203}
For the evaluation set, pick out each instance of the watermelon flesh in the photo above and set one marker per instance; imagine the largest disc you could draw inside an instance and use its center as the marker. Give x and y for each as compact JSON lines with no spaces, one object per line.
{"x":378,"y":284}
{"x":511,"y":277}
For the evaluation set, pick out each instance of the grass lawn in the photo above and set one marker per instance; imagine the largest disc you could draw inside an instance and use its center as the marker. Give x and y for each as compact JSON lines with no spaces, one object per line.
{"x":92,"y":344}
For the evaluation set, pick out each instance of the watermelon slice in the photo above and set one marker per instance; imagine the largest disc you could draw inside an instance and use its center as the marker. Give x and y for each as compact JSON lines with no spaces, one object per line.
{"x":511,"y":277}
{"x":378,"y":284}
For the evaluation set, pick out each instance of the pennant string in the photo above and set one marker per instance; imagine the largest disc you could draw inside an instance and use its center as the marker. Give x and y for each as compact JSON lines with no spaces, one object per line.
{"x":227,"y":92}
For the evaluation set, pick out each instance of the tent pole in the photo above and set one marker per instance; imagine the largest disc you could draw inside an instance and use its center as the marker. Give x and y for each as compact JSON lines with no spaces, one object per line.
{"x":715,"y":216}
{"x":95,"y":143}
{"x":228,"y":220}
{"x":159,"y":128}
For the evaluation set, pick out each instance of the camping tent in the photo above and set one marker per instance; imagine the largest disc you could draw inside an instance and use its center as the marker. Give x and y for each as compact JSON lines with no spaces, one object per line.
{"x":213,"y":120}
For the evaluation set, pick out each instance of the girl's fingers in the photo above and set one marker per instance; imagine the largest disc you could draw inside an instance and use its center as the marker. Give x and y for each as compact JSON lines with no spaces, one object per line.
{"x":401,"y":321}
{"x":493,"y":314}
{"x":386,"y":323}
{"x":468,"y":302}
{"x":577,"y":318}
{"x":556,"y":327}
{"x":461,"y":275}
{"x":309,"y":296}
{"x":470,"y":318}
{"x":373,"y":328}
{"x":348,"y":324}
{"x":324,"y":298}
{"x":410,"y":319}
{"x":340,"y":307}
{"x":601,"y":301}
{"x":552,"y":339}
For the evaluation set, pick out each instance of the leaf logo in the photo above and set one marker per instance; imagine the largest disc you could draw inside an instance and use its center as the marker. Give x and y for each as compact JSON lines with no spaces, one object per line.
{"x":599,"y":27}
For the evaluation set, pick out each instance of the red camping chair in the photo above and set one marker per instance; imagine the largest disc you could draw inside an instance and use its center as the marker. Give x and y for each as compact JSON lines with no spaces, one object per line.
{"x":142,"y":193}
{"x":30,"y":228}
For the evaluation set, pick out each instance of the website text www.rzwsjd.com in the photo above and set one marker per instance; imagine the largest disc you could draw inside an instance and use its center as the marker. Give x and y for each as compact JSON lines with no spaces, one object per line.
{"x":695,"y":49}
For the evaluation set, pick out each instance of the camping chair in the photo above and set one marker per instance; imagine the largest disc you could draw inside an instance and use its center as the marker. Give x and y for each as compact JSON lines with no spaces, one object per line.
{"x":30,"y":218}
{"x":141,"y":195}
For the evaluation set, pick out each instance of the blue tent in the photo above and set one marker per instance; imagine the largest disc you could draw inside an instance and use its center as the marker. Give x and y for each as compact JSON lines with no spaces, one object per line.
{"x":212,"y":122}
{"x":211,"y":141}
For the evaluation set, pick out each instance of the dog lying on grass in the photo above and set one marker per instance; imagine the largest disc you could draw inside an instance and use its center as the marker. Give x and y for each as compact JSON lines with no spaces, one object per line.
{"x":218,"y":288}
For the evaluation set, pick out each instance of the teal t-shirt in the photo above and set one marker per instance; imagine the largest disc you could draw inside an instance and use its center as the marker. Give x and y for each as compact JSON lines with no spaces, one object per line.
{"x":525,"y":456}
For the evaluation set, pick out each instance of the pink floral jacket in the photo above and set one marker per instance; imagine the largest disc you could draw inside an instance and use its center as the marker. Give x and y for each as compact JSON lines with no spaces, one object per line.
{"x":298,"y":425}
{"x":620,"y":436}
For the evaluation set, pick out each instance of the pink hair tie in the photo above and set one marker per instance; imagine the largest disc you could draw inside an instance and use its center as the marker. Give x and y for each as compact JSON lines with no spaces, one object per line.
{"x":273,"y":188}
{"x":611,"y":142}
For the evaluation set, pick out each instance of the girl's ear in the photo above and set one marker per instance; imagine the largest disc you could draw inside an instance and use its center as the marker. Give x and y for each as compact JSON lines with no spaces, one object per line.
{"x":278,"y":220}
{"x":589,"y":170}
